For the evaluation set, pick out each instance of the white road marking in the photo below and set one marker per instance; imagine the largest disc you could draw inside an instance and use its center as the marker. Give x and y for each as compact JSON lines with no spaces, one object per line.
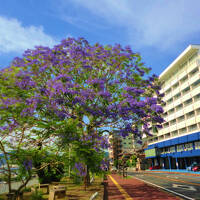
{"x":172,"y":177}
{"x":165,"y":189}
{"x":184,"y":187}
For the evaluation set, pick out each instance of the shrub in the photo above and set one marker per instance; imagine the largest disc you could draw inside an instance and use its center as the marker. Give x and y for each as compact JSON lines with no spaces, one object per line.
{"x":37,"y":195}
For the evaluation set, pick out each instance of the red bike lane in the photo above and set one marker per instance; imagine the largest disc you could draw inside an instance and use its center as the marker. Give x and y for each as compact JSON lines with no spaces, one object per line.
{"x":120,"y":188}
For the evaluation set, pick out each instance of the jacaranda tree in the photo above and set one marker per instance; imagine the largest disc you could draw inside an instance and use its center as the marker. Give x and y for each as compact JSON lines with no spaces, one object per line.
{"x":91,"y":88}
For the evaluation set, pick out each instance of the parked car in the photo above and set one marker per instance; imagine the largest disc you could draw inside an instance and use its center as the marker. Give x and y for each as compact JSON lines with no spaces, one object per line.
{"x":189,"y":168}
{"x":155,"y":167}
{"x":196,"y":168}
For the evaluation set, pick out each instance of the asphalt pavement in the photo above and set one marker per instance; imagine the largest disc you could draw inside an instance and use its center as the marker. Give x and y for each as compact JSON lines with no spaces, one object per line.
{"x":187,"y":186}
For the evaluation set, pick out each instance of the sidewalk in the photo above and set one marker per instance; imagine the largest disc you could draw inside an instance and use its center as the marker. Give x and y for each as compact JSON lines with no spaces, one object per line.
{"x":132,"y":189}
{"x":175,"y":171}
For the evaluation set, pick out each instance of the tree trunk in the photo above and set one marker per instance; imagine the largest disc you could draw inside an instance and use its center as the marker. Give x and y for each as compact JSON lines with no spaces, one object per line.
{"x":87,"y":178}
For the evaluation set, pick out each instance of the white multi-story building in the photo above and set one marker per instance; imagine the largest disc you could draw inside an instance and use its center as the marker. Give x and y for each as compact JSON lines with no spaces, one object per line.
{"x":177,"y":144}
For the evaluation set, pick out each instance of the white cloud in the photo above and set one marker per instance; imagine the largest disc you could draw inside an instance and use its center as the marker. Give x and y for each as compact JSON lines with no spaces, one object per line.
{"x":157,"y":23}
{"x":14,"y":37}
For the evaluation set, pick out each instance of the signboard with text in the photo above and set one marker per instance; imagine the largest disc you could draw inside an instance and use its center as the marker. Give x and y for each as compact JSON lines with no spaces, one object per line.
{"x":150,"y":153}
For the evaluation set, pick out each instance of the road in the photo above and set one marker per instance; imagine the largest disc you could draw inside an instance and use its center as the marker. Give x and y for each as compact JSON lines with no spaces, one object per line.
{"x":186,"y":186}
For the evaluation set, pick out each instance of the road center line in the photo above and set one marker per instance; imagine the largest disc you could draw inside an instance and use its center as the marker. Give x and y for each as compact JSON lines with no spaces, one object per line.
{"x":123,"y":192}
{"x":164,"y":188}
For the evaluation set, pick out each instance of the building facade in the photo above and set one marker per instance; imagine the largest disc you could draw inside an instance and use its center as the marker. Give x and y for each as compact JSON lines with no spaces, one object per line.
{"x":177,"y":144}
{"x":120,"y":146}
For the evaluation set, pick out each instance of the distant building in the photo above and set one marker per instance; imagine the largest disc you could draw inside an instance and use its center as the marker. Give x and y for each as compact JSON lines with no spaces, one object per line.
{"x":177,"y":144}
{"x":120,"y":146}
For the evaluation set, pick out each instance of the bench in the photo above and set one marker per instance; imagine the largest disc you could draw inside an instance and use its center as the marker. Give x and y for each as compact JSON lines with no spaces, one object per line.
{"x":58,"y":191}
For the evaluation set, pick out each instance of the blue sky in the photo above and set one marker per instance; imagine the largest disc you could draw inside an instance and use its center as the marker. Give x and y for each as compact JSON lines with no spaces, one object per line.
{"x":158,"y":29}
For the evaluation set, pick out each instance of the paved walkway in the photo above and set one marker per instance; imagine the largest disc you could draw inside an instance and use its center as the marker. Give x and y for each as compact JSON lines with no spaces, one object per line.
{"x":183,"y":172}
{"x":132,"y":189}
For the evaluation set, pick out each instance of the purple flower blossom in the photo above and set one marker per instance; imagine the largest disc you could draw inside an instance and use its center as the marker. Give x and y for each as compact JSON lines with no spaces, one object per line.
{"x":80,"y":169}
{"x":157,"y":108}
{"x":105,"y":94}
{"x":136,"y":91}
{"x":28,"y":164}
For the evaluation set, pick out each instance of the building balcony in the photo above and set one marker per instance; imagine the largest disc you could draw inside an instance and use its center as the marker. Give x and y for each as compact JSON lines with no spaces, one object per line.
{"x":172,"y":116}
{"x":182,"y":74}
{"x":192,"y":66}
{"x":186,"y":96}
{"x":190,"y":121}
{"x":177,"y":102}
{"x":195,"y":91}
{"x":175,"y":91}
{"x":173,"y":127}
{"x":184,"y":85}
{"x":188,"y":108}
{"x":180,"y":125}
{"x":194,"y":78}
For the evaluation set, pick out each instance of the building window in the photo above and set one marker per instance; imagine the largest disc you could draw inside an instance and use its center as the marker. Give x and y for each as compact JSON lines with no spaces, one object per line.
{"x":168,"y":91}
{"x":166,"y":150}
{"x":194,"y":71}
{"x":179,"y":107}
{"x":184,"y":79}
{"x":197,"y":97}
{"x":177,"y":96}
{"x":165,"y":114}
{"x":165,"y":125}
{"x":172,"y":149}
{"x":181,"y":118}
{"x":190,"y":114}
{"x":198,"y":111}
{"x":188,"y":146}
{"x":186,"y":90}
{"x":197,"y":145}
{"x":161,"y":137}
{"x":170,"y":101}
{"x":196,"y":83}
{"x":175,"y":86}
{"x":155,"y":139}
{"x":162,"y":150}
{"x":188,"y":102}
{"x":182,"y":130}
{"x":179,"y":148}
{"x":167,"y":135}
{"x":174,"y":133}
{"x":193,"y":127}
{"x":171,"y":111}
{"x":173,"y":122}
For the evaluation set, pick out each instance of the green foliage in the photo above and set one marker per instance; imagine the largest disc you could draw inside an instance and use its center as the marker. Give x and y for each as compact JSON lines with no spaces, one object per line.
{"x":49,"y":166}
{"x":131,"y":162}
{"x":37,"y":195}
{"x":116,"y":163}
{"x":76,"y":179}
{"x":27,"y":189}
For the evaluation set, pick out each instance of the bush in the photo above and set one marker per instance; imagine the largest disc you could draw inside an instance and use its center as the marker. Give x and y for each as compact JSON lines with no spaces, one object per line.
{"x":76,"y":179}
{"x":37,"y":195}
{"x":27,"y":189}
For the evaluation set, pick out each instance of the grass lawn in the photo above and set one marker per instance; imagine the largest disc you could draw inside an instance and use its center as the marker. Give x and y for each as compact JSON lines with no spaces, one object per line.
{"x":74,"y":191}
